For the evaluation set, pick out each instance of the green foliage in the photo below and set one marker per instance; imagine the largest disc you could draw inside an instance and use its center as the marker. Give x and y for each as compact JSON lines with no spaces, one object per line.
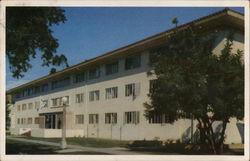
{"x":28,"y":32}
{"x":193,"y":81}
{"x":175,"y":21}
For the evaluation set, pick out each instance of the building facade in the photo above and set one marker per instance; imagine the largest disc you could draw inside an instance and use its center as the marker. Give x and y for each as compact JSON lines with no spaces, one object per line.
{"x":105,"y":95}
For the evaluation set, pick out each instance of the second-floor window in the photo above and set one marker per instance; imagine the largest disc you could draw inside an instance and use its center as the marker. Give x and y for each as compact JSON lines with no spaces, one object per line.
{"x":152,"y":85}
{"x":23,"y":107}
{"x":30,"y":106}
{"x":58,"y":101}
{"x":111,"y":92}
{"x":37,"y":105}
{"x":132,"y":89}
{"x":94,"y":95}
{"x":93,"y":119}
{"x":79,"y":98}
{"x":19,"y":108}
{"x":94,"y":73}
{"x":133,"y":62}
{"x":112,"y":68}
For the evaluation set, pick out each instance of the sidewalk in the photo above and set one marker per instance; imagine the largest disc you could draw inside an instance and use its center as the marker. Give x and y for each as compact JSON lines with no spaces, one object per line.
{"x":77,"y":148}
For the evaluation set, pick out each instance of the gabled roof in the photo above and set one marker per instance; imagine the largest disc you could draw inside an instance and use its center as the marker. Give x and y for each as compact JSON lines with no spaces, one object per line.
{"x":225,"y":17}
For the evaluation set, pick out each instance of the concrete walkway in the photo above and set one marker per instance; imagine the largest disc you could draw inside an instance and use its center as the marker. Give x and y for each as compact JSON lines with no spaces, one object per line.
{"x":76,"y":148}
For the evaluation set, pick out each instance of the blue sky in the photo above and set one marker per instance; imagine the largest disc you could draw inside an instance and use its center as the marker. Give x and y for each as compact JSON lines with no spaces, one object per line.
{"x":92,"y":31}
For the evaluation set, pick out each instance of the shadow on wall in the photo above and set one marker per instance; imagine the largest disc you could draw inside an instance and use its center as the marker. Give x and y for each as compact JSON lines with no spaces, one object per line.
{"x":240,"y":127}
{"x":186,"y":136}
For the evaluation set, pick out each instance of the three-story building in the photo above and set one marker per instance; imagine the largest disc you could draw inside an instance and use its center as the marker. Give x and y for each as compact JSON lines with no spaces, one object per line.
{"x":105,"y":95}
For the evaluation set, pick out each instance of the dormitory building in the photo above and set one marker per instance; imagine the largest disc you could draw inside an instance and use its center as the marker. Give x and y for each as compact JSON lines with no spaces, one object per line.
{"x":105,"y":95}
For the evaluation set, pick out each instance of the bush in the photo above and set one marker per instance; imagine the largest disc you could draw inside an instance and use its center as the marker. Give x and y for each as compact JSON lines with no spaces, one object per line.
{"x":144,"y":143}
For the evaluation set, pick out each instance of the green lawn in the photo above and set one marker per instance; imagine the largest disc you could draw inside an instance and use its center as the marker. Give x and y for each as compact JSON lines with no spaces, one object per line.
{"x":18,"y":147}
{"x":88,"y":142}
{"x":24,"y":148}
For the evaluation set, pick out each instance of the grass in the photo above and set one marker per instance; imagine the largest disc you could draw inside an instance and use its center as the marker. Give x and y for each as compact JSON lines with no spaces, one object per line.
{"x":179,"y":149}
{"x":87,"y":142}
{"x":24,"y":148}
{"x":18,"y":147}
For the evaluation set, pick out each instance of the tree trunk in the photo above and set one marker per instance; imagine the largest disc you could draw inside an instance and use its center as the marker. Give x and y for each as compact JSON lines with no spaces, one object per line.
{"x":220,"y":144}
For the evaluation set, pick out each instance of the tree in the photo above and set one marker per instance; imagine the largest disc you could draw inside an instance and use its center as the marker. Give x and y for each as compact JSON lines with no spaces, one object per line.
{"x":175,"y":21}
{"x":192,"y":81}
{"x":28,"y":33}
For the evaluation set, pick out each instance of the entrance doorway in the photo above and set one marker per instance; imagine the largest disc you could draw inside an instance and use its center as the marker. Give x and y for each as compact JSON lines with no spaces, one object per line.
{"x":53,"y":121}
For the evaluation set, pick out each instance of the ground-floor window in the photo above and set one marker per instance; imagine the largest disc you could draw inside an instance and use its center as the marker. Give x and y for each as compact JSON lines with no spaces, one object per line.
{"x":93,"y":119}
{"x":157,"y":118}
{"x":29,"y":120}
{"x":110,"y":118}
{"x":18,"y":121}
{"x":132,"y":117}
{"x":53,"y":121}
{"x":37,"y":120}
{"x":79,"y":119}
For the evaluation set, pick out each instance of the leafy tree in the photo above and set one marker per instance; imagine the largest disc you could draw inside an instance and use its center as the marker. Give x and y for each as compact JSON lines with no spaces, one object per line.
{"x":28,"y":32}
{"x":192,"y":81}
{"x":175,"y":21}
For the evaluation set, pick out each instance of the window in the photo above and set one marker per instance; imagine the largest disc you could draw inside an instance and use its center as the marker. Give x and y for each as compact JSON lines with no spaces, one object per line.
{"x":23,"y":121}
{"x":31,"y":91}
{"x":132,"y":117}
{"x":55,"y":102}
{"x":158,"y":118}
{"x":60,"y":83}
{"x":94,"y":73}
{"x":133,"y":62}
{"x":152,"y":85}
{"x":79,"y":119}
{"x":29,"y":120}
{"x":79,"y":98}
{"x":37,"y":105}
{"x":37,"y":120}
{"x":110,"y":118}
{"x":18,"y":121}
{"x":58,"y":101}
{"x":94,"y":95}
{"x":111,"y":92}
{"x":37,"y":89}
{"x":18,"y":107}
{"x":112,"y":68}
{"x":93,"y":119}
{"x":25,"y":92}
{"x":23,"y":107}
{"x":45,"y":87}
{"x":79,"y":78}
{"x":17,"y":95}
{"x":30,"y":105}
{"x":132,"y":89}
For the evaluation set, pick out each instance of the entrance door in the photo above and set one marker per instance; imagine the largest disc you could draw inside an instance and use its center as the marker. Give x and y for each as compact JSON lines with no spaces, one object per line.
{"x":50,"y":121}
